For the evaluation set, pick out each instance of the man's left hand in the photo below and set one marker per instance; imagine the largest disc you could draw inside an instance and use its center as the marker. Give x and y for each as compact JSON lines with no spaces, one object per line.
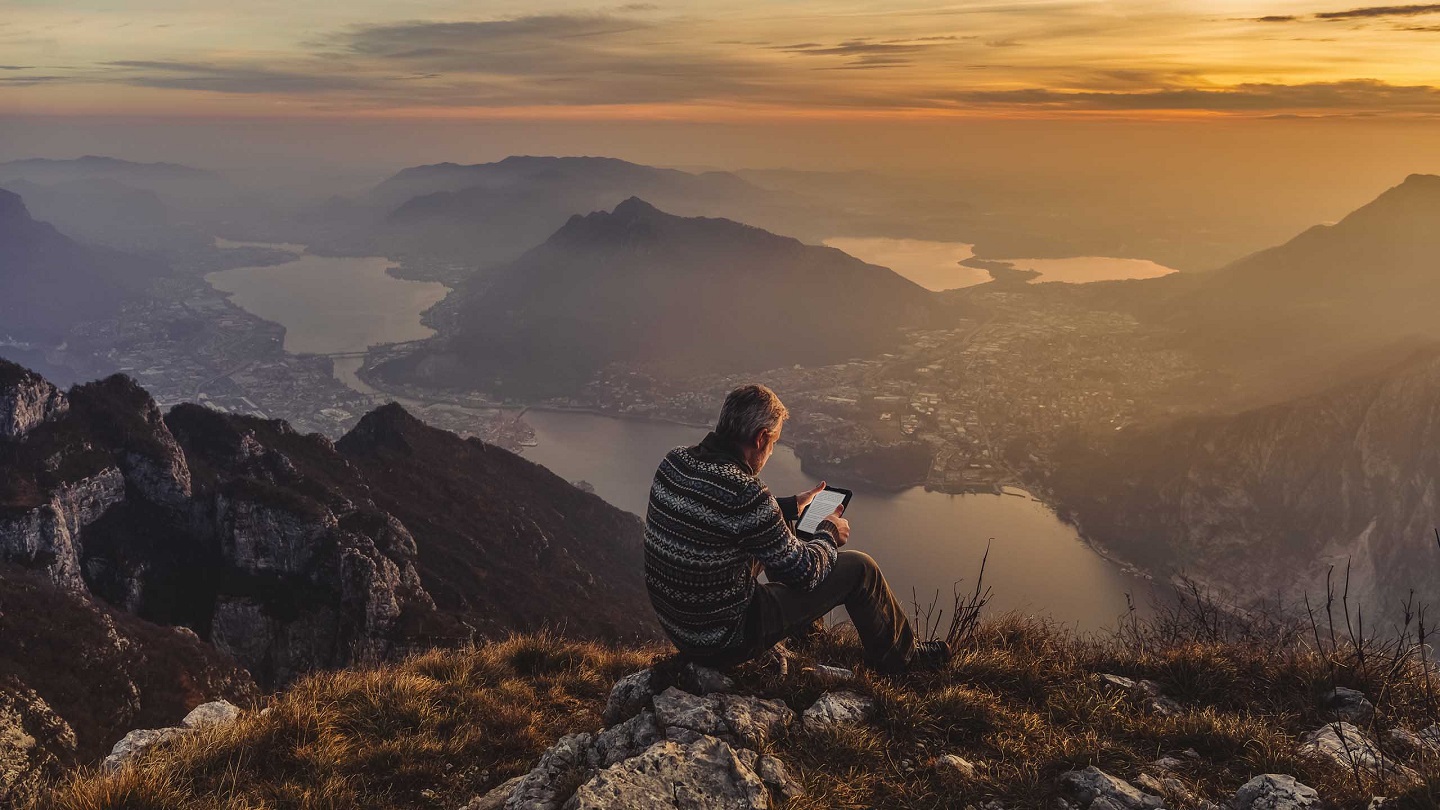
{"x":803,"y":499}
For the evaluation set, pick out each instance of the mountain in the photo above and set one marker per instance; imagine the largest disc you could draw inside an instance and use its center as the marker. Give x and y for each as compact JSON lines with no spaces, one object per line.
{"x":638,"y":286}
{"x":281,"y":549}
{"x":166,"y":179}
{"x":493,"y":212}
{"x":99,"y":211}
{"x":49,"y":282}
{"x":1334,"y":299}
{"x":1259,"y":504}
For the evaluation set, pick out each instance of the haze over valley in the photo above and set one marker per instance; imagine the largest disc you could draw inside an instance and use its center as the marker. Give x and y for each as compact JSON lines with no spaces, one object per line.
{"x":337,"y":348}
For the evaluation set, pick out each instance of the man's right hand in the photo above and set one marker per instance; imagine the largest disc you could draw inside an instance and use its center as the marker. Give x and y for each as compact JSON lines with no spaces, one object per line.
{"x":842,"y":527}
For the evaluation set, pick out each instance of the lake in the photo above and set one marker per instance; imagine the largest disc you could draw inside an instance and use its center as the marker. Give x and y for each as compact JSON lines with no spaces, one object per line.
{"x":936,"y":265}
{"x":925,"y":541}
{"x":330,"y":305}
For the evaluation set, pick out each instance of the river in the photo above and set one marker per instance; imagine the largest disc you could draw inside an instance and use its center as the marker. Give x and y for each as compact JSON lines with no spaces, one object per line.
{"x":925,"y":541}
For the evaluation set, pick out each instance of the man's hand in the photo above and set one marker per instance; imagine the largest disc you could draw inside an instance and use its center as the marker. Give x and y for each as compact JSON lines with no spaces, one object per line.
{"x":842,"y":526}
{"x":803,"y":499}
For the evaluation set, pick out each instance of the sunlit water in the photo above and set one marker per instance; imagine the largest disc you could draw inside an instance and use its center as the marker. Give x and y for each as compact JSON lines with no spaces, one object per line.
{"x":332,"y":305}
{"x":936,"y":265}
{"x":925,"y":541}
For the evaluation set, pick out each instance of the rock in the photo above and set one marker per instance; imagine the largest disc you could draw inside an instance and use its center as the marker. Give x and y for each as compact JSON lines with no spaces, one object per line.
{"x":701,"y":680}
{"x":1410,"y":744}
{"x":777,"y":777}
{"x":47,"y":537}
{"x":1149,"y":691}
{"x":1167,"y":763}
{"x":1274,"y":791}
{"x":495,"y":798}
{"x":1095,"y":789}
{"x":957,"y":764}
{"x":829,"y":673}
{"x":1169,"y":788}
{"x":555,"y":776}
{"x":35,"y":744}
{"x":27,"y":401}
{"x":1347,"y":747}
{"x":625,"y":740}
{"x":838,"y":707}
{"x":1349,"y":704}
{"x":739,"y":719}
{"x":628,"y":696}
{"x":218,"y":712}
{"x":703,"y":775}
{"x":1159,"y":702}
{"x":136,"y":743}
{"x":1431,"y":735}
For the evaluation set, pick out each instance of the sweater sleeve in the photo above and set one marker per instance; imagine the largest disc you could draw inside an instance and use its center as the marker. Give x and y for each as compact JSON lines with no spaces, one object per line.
{"x":787,"y":559}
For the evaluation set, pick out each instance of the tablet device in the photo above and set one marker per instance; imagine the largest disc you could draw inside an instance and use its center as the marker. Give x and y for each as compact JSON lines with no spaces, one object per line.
{"x":824,"y":505}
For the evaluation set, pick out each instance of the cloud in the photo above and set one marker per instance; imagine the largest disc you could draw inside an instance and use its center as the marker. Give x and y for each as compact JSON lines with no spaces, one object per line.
{"x":1367,"y":12}
{"x":226,"y":78}
{"x":1348,"y":96}
{"x":1379,"y":11}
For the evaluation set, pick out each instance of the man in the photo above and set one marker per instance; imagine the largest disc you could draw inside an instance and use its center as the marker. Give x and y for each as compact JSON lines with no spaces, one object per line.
{"x":712,"y":524}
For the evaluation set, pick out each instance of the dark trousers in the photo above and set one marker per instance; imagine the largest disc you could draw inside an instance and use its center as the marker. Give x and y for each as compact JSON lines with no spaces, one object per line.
{"x":777,"y":612}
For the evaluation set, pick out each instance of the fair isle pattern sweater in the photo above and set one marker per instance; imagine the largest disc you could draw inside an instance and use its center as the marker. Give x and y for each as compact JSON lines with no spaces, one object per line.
{"x":709,"y":520}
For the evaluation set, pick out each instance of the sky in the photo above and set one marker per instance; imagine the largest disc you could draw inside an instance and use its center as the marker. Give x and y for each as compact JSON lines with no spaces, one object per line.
{"x":721,"y":60}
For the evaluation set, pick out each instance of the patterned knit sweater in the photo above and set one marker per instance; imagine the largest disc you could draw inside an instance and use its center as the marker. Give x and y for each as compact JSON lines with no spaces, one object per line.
{"x":709,"y":521}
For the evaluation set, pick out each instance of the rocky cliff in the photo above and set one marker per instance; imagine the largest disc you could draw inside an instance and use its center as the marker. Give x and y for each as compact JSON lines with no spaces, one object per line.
{"x":1262,"y":503}
{"x":291,"y":554}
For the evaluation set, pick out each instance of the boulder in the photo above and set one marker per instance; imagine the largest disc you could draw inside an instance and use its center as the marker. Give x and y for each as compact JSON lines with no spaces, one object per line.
{"x":1093,"y":788}
{"x":738,"y":719}
{"x":1349,"y":705}
{"x":705,"y":774}
{"x":214,"y":713}
{"x":838,"y":707}
{"x":702,"y":680}
{"x":1347,"y":747}
{"x":1274,"y":791}
{"x":136,"y":743}
{"x":629,"y":695}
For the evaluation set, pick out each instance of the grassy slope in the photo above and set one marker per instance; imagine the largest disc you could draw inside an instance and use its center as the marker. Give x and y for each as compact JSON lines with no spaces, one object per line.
{"x":1019,"y":702}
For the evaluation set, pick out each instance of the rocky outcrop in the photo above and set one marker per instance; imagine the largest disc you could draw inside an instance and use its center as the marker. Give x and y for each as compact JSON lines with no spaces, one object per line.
{"x":47,"y":537}
{"x":676,"y":750}
{"x":1347,"y":747}
{"x":1093,"y":788}
{"x":26,"y":400}
{"x":838,"y":707}
{"x":35,"y":743}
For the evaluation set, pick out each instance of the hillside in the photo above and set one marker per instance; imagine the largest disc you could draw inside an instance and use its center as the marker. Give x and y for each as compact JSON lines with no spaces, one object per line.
{"x":279,"y":549}
{"x":641,"y":287}
{"x":49,"y":282}
{"x":1334,"y":300}
{"x":1261,"y":503}
{"x":1185,"y":712}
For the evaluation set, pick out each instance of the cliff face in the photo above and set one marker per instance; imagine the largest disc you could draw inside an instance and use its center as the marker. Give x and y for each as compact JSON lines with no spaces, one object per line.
{"x":1262,"y":503}
{"x":290,"y":554}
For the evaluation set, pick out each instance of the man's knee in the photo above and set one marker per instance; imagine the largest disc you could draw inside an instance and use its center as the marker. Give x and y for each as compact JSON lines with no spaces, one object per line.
{"x":862,"y":565}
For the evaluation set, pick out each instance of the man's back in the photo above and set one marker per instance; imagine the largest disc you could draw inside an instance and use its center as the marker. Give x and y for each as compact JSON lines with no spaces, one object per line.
{"x":708,"y":524}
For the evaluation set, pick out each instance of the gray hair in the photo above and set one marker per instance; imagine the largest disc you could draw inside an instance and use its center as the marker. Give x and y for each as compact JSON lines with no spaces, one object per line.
{"x":748,"y":410}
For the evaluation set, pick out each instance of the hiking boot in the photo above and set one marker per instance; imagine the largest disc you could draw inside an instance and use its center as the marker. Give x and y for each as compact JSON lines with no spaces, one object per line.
{"x":929,"y":655}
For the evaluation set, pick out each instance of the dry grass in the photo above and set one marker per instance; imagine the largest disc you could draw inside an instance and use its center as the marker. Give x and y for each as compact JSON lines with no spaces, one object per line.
{"x":452,"y":722}
{"x":1019,"y":701}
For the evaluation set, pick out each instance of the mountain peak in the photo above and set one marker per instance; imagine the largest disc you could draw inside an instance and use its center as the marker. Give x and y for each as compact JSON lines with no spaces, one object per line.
{"x":12,"y":207}
{"x":635,"y":208}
